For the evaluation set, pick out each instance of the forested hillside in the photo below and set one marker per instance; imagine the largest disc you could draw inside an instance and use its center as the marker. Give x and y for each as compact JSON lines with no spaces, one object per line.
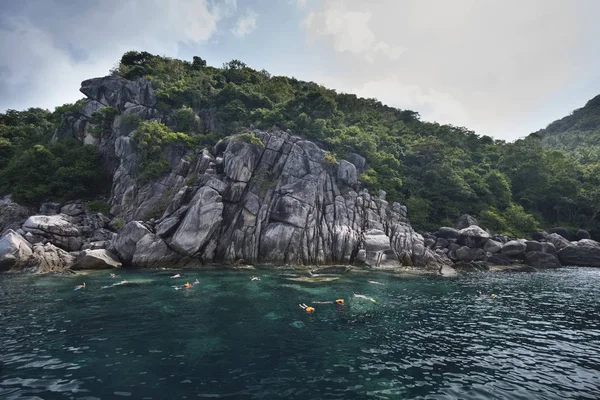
{"x":438,"y":171}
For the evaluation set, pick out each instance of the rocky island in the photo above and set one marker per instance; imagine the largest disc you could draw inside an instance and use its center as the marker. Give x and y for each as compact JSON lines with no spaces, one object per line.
{"x":257,"y":196}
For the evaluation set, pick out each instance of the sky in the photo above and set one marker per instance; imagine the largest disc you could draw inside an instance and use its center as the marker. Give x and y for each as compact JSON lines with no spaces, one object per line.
{"x":503,"y":68}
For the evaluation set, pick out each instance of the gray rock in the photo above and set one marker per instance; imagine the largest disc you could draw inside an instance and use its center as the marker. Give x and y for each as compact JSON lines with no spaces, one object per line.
{"x":558,"y":241}
{"x":492,"y":246}
{"x":96,"y":259}
{"x":465,"y":221}
{"x":540,"y":260}
{"x":49,"y":258}
{"x":498,"y":259}
{"x":14,"y":251}
{"x":117,"y":92}
{"x":514,"y":248}
{"x":359,"y":161}
{"x":201,"y":222}
{"x":346,"y":173}
{"x":127,"y":239}
{"x":72,"y":209}
{"x":57,"y":229}
{"x":585,"y":252}
{"x":379,"y":250}
{"x":468,"y":254}
{"x":441,"y":243}
{"x":12,"y":215}
{"x":533,"y":246}
{"x":473,"y":236}
{"x":448,"y":233}
{"x":152,"y":252}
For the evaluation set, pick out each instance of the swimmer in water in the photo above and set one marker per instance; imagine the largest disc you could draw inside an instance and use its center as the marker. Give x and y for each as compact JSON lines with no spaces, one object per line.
{"x":338,"y":301}
{"x":479,"y":294}
{"x":375,"y":282}
{"x":493,"y":296}
{"x":196,"y":282}
{"x":187,"y":285}
{"x":255,"y":278}
{"x":306,"y":308}
{"x":113,"y":275}
{"x":362,"y":296}
{"x":79,"y":287}
{"x":176,"y":276}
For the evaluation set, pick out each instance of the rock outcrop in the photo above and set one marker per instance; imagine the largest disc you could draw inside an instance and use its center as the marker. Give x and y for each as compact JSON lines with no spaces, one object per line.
{"x":275,"y":199}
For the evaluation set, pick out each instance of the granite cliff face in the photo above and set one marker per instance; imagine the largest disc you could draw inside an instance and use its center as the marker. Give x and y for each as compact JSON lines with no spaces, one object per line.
{"x":258,"y":198}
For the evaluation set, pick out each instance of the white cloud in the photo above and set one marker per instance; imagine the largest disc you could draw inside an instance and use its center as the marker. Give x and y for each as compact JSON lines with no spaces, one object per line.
{"x":38,"y":69}
{"x":301,"y":3}
{"x":483,"y":64}
{"x":350,"y":31}
{"x":245,"y":24}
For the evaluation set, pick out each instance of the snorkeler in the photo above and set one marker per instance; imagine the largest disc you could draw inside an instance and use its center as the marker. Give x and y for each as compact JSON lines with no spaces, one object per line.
{"x":306,"y":308}
{"x":176,"y":276}
{"x":338,"y":301}
{"x":362,"y":296}
{"x":255,"y":278}
{"x":79,"y":287}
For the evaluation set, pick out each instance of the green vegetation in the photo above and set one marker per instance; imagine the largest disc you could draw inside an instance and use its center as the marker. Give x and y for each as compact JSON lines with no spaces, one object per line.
{"x":34,"y":169}
{"x":250,"y":138}
{"x":548,"y":179}
{"x":98,"y":206}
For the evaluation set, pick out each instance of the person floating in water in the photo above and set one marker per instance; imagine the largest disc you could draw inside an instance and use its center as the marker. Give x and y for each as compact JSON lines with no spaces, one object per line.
{"x":187,"y":285}
{"x":479,"y":294}
{"x":176,"y":276}
{"x":375,"y":282}
{"x":338,"y":301}
{"x":493,"y":296}
{"x":112,"y":275}
{"x":306,"y":308}
{"x":79,"y":287}
{"x":196,"y":282}
{"x":362,"y":296}
{"x":255,"y":278}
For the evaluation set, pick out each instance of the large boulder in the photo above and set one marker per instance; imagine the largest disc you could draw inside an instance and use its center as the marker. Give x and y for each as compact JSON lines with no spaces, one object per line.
{"x":14,"y":251}
{"x":346,"y":173}
{"x":492,"y":246}
{"x":448,"y":233}
{"x":465,"y":221}
{"x":540,"y":260}
{"x":473,"y":236}
{"x":118,"y":92}
{"x":558,"y":241}
{"x":514,"y":248}
{"x":585,"y":252}
{"x":379,"y":250}
{"x":96,"y":259}
{"x":127,"y":239}
{"x":201,"y":222}
{"x":57,"y":229}
{"x":152,"y":252}
{"x":49,"y":258}
{"x":468,"y":254}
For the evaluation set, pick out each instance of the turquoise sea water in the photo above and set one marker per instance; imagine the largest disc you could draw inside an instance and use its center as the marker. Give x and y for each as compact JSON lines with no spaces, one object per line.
{"x":234,"y":338}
